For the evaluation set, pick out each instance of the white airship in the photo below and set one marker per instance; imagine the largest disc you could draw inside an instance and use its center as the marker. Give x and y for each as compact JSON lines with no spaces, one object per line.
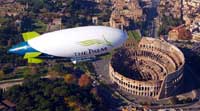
{"x":75,"y":44}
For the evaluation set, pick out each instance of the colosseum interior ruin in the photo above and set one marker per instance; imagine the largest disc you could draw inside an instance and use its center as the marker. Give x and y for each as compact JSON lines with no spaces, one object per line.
{"x":152,"y":68}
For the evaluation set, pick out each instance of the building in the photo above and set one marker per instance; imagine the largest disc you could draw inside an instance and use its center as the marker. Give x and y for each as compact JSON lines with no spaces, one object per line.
{"x":124,"y":12}
{"x":196,"y":36}
{"x":95,"y":20}
{"x":11,"y":9}
{"x":119,"y":22}
{"x":6,"y":1}
{"x":154,"y":69}
{"x":55,"y":24}
{"x":195,"y":29}
{"x":191,"y":11}
{"x":179,"y":33}
{"x":170,"y":8}
{"x":7,"y":105}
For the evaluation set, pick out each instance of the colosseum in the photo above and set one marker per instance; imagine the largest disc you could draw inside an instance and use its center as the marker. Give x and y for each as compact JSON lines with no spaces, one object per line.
{"x":152,"y":68}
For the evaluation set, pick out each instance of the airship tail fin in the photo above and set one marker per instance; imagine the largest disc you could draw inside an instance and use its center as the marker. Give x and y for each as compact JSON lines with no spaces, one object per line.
{"x":35,"y":60}
{"x":30,"y":35}
{"x":31,"y":56}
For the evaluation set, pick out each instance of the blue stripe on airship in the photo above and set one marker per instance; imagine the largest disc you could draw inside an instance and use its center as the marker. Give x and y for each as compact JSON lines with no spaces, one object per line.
{"x":21,"y":49}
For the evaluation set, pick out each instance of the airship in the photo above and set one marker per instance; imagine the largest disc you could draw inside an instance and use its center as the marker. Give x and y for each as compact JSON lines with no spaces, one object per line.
{"x":73,"y":44}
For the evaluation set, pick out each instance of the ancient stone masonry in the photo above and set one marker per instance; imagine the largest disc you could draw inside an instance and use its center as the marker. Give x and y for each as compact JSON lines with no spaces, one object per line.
{"x":154,"y":68}
{"x":125,"y":11}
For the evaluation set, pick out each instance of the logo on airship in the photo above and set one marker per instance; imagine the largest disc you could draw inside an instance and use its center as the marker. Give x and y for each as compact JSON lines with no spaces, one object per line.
{"x":91,"y":42}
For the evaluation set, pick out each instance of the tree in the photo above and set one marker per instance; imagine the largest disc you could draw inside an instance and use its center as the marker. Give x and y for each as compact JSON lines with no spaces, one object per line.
{"x":27,"y":23}
{"x":37,"y":5}
{"x":53,"y":74}
{"x":1,"y":94}
{"x":40,"y":26}
{"x":84,"y":80}
{"x":167,"y":22}
{"x":39,"y":94}
{"x":42,"y":94}
{"x":70,"y":79}
{"x":1,"y":75}
{"x":8,"y":69}
{"x":60,"y":68}
{"x":94,"y":91}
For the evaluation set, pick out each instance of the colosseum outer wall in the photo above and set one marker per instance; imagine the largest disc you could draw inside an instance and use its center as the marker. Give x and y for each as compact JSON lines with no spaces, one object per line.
{"x":133,"y":86}
{"x":163,"y":61}
{"x":171,"y":84}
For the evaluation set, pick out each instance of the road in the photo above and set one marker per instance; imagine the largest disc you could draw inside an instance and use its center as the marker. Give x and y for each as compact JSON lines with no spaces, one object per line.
{"x":9,"y":83}
{"x":102,"y":75}
{"x":6,"y":84}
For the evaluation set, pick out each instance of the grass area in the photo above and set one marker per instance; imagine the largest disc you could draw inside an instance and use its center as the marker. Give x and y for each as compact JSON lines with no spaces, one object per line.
{"x":2,"y":20}
{"x":135,"y":35}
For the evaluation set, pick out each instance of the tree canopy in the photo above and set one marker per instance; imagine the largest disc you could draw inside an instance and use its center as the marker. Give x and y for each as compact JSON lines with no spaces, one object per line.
{"x":53,"y":95}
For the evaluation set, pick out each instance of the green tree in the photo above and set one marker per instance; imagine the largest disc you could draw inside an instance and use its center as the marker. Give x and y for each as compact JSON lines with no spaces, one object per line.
{"x":37,"y":94}
{"x":8,"y":69}
{"x":27,"y":23}
{"x":167,"y":23}
{"x":40,"y":26}
{"x":1,"y":75}
{"x":1,"y":94}
{"x":60,"y":68}
{"x":70,"y":79}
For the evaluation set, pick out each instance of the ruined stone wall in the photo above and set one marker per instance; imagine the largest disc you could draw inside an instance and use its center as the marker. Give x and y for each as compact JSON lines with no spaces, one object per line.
{"x":159,"y":63}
